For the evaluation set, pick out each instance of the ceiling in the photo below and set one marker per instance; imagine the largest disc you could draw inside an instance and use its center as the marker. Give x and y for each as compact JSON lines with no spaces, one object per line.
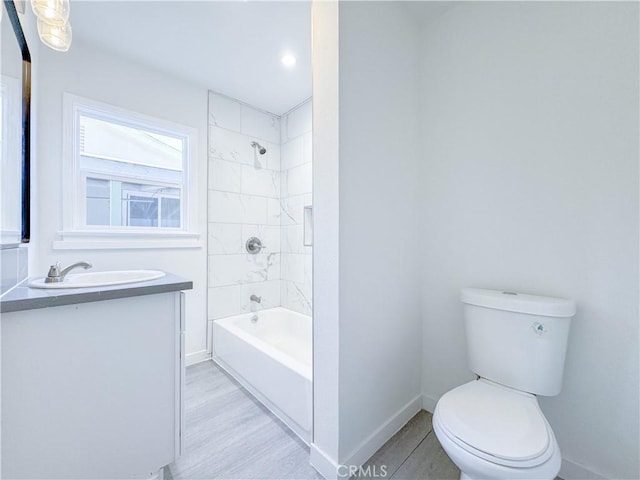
{"x":232,"y":47}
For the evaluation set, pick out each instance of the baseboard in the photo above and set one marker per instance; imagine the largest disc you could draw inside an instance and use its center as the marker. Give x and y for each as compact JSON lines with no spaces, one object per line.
{"x":330,"y":470}
{"x":429,"y":403}
{"x":159,"y":475}
{"x":324,"y":464}
{"x":196,"y":357}
{"x":574,"y":471}
{"x":378,"y":438}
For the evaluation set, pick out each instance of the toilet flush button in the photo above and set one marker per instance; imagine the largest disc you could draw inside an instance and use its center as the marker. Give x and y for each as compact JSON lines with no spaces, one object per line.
{"x":538,"y":328}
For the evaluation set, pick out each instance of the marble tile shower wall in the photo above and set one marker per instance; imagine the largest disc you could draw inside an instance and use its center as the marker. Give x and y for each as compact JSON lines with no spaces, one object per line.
{"x":295,"y":181}
{"x":244,"y":201}
{"x":258,"y":195}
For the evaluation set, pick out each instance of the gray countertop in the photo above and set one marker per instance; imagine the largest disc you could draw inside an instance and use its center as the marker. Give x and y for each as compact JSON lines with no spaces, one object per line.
{"x":23,"y":297}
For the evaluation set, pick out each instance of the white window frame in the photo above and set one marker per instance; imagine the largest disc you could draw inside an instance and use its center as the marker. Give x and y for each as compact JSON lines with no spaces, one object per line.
{"x":76,"y":234}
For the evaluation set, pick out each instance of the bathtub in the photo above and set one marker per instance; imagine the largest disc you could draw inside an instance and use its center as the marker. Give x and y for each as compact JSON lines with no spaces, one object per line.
{"x":270,"y":357}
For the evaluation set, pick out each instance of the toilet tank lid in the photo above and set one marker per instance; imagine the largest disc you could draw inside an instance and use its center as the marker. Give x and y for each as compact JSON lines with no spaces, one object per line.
{"x":518,"y":302}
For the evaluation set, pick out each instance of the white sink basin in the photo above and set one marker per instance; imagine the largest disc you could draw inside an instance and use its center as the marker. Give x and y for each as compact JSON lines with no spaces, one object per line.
{"x":100,"y":279}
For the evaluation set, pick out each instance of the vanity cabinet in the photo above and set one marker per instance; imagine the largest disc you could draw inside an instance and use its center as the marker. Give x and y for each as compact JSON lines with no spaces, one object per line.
{"x":93,"y":390}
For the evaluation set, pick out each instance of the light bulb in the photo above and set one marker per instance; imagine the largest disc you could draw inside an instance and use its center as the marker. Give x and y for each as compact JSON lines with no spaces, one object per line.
{"x":288,"y":60}
{"x":54,"y":12}
{"x":57,"y":37}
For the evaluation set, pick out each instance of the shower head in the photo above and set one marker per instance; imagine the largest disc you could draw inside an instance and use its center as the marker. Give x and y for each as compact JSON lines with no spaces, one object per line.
{"x":261,"y":149}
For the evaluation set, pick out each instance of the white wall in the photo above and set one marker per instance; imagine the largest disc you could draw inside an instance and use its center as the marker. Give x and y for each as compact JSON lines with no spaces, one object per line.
{"x":530,"y":183}
{"x":326,"y":321}
{"x":379,"y":306}
{"x":366,"y":276}
{"x":89,"y":72}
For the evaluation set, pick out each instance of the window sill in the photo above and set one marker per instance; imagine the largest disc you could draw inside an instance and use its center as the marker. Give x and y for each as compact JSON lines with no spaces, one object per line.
{"x":121,"y":240}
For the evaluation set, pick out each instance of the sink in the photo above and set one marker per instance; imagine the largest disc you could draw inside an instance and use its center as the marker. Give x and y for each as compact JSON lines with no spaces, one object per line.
{"x":100,"y":279}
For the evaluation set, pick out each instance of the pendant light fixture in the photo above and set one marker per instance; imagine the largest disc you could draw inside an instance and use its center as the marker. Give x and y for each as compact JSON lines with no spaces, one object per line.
{"x":57,"y":37}
{"x":53,"y":23}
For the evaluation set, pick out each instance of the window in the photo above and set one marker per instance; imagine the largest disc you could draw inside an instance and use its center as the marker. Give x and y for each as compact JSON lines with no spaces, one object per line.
{"x":128,"y":175}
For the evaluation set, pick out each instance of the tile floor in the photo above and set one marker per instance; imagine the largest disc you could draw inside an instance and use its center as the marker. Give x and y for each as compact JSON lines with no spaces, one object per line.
{"x":230,"y":435}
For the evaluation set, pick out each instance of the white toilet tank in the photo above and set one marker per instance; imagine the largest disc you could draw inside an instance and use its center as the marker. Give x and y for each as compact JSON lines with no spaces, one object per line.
{"x":517,"y":340}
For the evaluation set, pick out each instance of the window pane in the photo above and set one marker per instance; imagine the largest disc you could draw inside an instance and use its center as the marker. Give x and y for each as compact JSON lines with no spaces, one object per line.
{"x":170,"y":212}
{"x":119,"y":143}
{"x":143,"y":211}
{"x":98,"y":202}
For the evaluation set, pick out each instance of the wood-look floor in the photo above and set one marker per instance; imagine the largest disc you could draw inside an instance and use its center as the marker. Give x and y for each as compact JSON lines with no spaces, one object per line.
{"x":414,"y":453}
{"x":230,"y":435}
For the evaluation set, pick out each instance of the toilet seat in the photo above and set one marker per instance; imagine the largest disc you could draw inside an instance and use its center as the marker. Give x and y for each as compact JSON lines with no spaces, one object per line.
{"x":496,"y":423}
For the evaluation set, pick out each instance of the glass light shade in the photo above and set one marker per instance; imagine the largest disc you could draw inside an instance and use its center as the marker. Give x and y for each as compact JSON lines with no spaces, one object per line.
{"x":54,"y":12}
{"x":57,"y":37}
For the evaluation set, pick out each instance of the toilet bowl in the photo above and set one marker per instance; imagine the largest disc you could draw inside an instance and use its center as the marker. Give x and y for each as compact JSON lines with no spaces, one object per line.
{"x":493,"y":432}
{"x":493,"y":428}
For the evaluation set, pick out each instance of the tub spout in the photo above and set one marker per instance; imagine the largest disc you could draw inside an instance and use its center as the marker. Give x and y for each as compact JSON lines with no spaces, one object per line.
{"x":255,"y":298}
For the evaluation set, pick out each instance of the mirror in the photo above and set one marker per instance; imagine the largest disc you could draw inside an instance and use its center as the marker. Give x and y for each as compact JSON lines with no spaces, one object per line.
{"x":15,"y":94}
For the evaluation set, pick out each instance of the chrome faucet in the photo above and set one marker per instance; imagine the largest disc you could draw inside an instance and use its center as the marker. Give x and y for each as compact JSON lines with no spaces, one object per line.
{"x":255,"y":298}
{"x":56,"y":275}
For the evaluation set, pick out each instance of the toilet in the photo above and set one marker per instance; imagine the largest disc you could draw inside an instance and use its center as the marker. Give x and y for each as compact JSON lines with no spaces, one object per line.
{"x":492,"y":427}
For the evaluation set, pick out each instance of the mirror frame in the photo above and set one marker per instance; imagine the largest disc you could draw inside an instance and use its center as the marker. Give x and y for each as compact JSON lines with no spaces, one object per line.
{"x":12,"y":13}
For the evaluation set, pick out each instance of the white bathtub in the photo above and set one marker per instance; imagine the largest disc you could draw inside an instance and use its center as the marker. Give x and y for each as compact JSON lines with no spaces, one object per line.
{"x":272,"y":359}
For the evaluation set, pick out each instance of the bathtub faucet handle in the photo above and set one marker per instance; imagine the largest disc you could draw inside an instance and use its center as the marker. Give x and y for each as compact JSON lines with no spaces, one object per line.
{"x":255,"y":298}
